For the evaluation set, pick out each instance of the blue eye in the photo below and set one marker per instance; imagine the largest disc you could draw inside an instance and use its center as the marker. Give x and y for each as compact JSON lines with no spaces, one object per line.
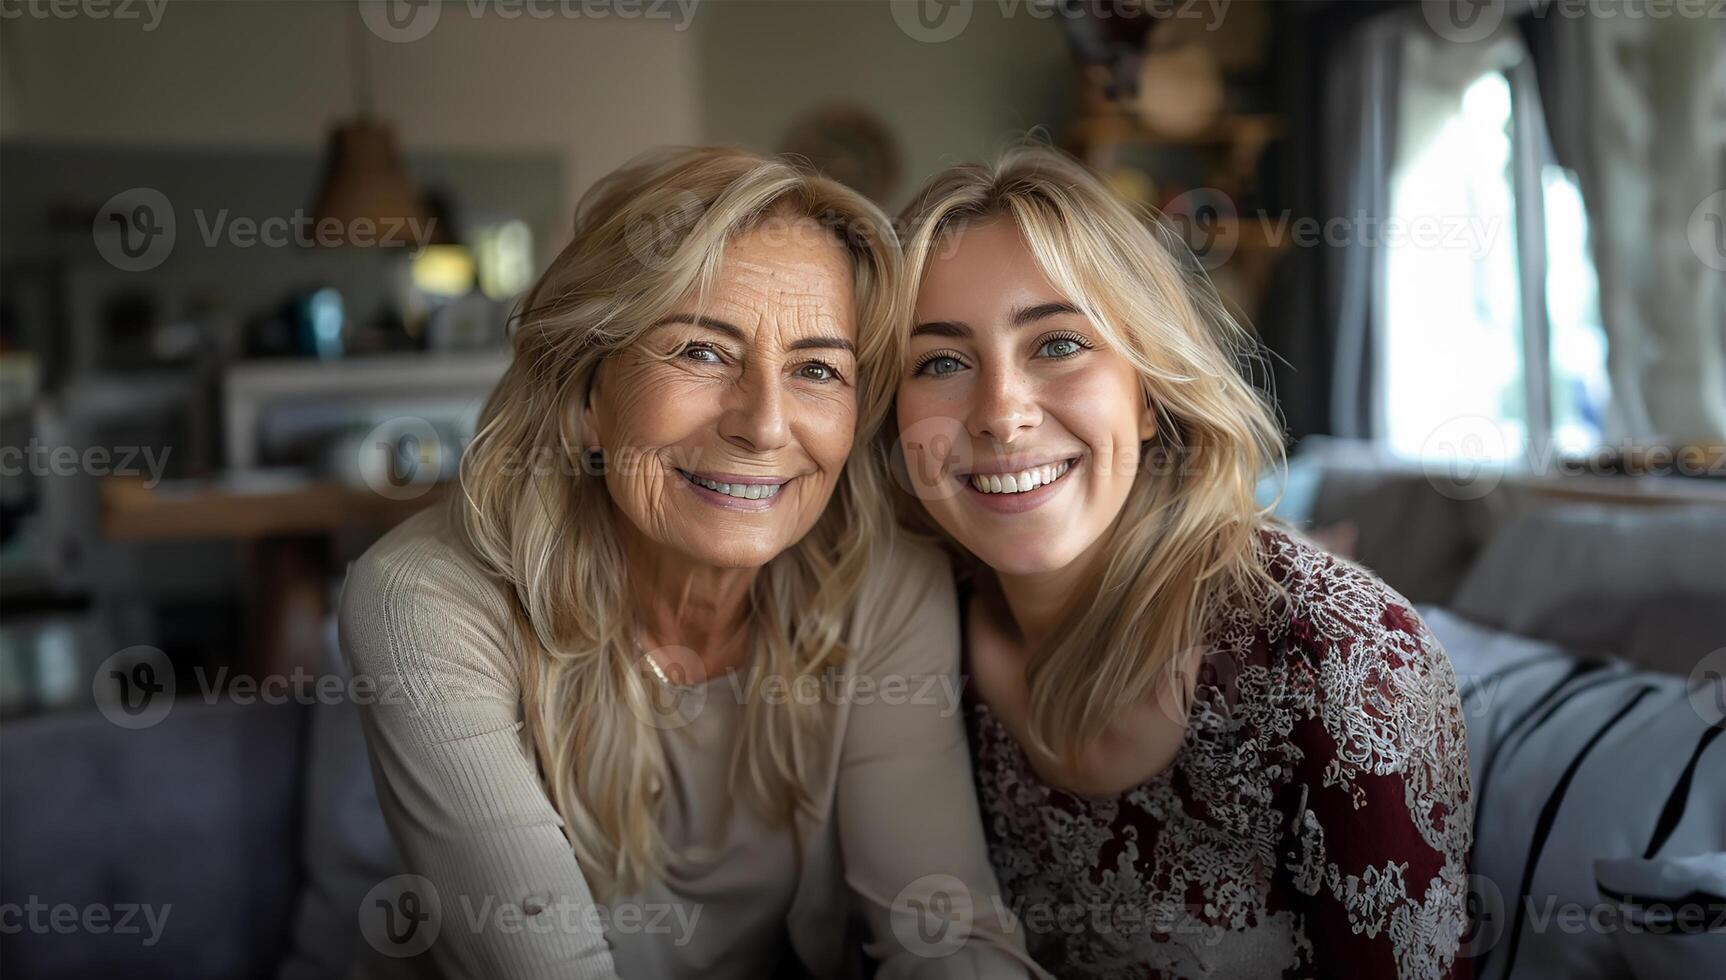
{"x":701,"y":353}
{"x":939,"y":365}
{"x":1060,"y":347}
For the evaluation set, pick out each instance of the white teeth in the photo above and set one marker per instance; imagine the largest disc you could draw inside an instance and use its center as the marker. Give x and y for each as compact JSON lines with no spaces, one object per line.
{"x":1021,"y":481}
{"x":745,"y":491}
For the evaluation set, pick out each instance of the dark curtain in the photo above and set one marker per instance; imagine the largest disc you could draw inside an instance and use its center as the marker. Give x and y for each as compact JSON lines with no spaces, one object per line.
{"x":1341,"y":78}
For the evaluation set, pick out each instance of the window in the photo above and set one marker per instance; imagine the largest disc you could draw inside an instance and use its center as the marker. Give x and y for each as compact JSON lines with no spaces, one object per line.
{"x":1579,"y":387}
{"x":1491,"y":308}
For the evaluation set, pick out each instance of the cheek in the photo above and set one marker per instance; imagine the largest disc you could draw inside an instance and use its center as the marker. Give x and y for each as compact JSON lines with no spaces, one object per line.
{"x":911,"y":406}
{"x":656,"y":405}
{"x":1101,"y":407}
{"x":827,"y":428}
{"x":932,"y":441}
{"x":931,"y":422}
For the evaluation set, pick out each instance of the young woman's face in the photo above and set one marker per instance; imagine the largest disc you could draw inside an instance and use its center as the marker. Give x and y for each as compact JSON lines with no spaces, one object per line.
{"x":726,"y":430}
{"x":1021,"y":429}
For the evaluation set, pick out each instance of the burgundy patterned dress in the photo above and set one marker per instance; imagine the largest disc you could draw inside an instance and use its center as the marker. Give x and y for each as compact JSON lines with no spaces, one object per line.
{"x":1316,"y":822}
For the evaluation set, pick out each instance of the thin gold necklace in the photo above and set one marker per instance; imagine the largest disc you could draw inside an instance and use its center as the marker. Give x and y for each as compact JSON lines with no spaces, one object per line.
{"x":652,"y":664}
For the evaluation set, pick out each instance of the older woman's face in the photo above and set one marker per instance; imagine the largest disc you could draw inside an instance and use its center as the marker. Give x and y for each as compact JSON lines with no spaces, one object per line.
{"x":725,"y":431}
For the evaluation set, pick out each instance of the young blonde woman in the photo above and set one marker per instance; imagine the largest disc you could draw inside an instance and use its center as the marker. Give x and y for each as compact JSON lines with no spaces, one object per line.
{"x":676,"y":703}
{"x":1203,"y":747}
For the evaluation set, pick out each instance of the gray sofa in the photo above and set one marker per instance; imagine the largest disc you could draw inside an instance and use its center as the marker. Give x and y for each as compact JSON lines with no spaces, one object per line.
{"x":199,"y":817}
{"x":256,"y":825}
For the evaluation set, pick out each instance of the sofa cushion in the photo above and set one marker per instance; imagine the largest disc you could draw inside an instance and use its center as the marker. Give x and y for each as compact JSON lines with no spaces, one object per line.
{"x":1410,"y":525}
{"x":192,"y":818}
{"x":345,"y":849}
{"x":1647,"y":584}
{"x":1575,"y":759}
{"x":1674,"y":913}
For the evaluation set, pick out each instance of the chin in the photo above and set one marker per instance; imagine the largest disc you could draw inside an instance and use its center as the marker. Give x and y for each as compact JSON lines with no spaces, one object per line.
{"x":1036,"y":557}
{"x":738,"y":552}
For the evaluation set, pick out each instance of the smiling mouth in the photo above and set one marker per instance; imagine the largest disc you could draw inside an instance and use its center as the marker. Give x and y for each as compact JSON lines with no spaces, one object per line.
{"x":760,"y":489}
{"x":1019,"y":481}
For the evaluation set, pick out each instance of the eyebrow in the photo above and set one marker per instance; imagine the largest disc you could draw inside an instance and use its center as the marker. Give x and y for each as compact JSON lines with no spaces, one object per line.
{"x":1042,"y":311}
{"x":817,"y":343}
{"x":720,"y":326}
{"x":1020,"y":317}
{"x":941,"y":328}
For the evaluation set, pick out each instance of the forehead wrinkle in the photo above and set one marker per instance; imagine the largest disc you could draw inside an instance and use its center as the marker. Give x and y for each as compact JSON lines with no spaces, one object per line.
{"x":786,"y":316}
{"x":778,"y":328}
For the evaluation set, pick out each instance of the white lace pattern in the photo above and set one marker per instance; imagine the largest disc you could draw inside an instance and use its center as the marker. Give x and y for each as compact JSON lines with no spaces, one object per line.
{"x":1316,"y":822}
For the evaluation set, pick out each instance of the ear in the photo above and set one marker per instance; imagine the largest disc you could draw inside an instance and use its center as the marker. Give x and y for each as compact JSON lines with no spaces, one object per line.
{"x":1147,"y":421}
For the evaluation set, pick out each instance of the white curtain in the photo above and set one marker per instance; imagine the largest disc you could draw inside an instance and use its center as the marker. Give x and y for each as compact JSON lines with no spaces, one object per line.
{"x":1637,"y":107}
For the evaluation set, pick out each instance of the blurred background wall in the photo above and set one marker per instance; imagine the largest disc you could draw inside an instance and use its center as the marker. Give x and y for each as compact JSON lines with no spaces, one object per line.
{"x":275,"y":73}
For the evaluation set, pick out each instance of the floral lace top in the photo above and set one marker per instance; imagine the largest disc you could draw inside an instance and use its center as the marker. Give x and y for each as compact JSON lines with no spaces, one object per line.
{"x":1316,"y":821}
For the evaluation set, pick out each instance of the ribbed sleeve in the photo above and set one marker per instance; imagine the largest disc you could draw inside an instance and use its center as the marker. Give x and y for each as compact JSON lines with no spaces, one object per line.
{"x":458,"y":784}
{"x":909,"y":826}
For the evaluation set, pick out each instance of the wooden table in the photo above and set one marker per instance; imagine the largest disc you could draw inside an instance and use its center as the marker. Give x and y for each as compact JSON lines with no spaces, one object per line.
{"x":284,"y":521}
{"x":248,"y":506}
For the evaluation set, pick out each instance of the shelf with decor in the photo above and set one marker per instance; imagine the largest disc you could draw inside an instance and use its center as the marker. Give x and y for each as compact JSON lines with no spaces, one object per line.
{"x":1196,"y":162}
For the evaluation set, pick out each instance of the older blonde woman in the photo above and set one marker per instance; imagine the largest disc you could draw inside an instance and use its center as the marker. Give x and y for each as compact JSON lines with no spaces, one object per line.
{"x":1220,"y":750}
{"x":676,"y":703}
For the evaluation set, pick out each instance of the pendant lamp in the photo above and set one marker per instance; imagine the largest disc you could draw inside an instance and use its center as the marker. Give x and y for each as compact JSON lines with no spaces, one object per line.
{"x":367,"y":198}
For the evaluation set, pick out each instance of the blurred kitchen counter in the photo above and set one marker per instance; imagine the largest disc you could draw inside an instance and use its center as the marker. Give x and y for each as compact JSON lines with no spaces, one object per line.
{"x":248,"y":505}
{"x":285,"y":523}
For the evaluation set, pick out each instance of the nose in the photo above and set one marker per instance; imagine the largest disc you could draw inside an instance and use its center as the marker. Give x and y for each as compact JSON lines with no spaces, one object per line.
{"x":1002,"y":405}
{"x":754,"y":415}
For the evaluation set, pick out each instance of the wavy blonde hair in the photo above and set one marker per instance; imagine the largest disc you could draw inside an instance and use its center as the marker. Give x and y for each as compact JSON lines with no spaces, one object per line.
{"x":1186,"y":541}
{"x":647,"y":237}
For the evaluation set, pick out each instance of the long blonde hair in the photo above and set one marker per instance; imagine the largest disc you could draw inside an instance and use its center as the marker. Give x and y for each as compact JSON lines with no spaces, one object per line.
{"x":646,"y":237}
{"x":1186,"y":540}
